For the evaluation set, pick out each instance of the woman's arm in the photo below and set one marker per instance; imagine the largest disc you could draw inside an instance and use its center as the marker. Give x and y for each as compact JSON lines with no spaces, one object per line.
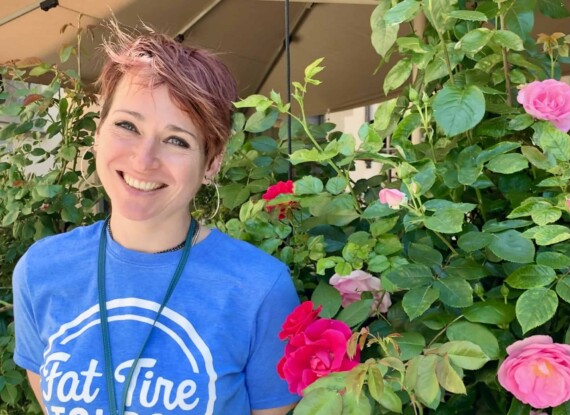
{"x":34,"y":379}
{"x":282,"y":410}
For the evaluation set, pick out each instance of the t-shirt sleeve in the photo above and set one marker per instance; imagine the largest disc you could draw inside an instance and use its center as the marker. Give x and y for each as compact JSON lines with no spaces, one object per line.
{"x":266,"y":389}
{"x":29,"y":346}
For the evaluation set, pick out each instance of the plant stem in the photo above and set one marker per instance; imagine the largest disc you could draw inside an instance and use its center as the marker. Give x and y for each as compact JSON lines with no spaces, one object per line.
{"x":438,"y":335}
{"x":481,"y":205}
{"x":446,"y":56}
{"x":446,"y":242}
{"x":506,"y":67}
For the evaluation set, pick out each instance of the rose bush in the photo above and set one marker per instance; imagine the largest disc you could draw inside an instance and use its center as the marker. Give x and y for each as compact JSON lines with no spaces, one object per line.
{"x":466,"y":226}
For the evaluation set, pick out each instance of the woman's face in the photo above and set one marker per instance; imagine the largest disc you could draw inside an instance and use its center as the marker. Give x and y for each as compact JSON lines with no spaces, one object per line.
{"x":150,"y":157}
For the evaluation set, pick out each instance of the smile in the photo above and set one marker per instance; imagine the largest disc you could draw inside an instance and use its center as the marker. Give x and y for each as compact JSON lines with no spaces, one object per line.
{"x":140,"y":185}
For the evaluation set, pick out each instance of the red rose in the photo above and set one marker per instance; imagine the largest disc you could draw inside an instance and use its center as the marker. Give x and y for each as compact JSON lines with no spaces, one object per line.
{"x":299,"y":319}
{"x":316,"y":352}
{"x":276,"y":190}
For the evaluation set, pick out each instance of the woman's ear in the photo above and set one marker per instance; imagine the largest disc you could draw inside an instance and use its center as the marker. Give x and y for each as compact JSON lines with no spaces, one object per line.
{"x":213,"y":168}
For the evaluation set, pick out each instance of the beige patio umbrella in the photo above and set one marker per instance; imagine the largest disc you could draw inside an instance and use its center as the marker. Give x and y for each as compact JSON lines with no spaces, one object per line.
{"x":249,"y":34}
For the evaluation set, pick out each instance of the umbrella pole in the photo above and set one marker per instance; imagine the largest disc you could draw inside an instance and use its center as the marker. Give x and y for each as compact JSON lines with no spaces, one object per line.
{"x":288,"y":83}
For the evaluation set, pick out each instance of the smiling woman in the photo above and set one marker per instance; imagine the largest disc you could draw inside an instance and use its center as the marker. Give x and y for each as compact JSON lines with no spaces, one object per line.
{"x":148,"y":312}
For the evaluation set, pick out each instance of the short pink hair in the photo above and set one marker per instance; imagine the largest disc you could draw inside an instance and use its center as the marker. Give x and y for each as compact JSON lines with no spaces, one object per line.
{"x":198,"y":82}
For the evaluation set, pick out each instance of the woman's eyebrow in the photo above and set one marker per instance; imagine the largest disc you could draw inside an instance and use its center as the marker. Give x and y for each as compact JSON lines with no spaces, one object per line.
{"x":171,"y":127}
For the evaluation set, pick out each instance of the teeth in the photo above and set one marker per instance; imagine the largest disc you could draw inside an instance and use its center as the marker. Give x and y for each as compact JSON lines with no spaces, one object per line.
{"x":137,"y":184}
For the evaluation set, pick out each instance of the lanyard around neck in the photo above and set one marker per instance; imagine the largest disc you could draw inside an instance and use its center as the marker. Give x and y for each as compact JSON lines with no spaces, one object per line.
{"x":105,"y":320}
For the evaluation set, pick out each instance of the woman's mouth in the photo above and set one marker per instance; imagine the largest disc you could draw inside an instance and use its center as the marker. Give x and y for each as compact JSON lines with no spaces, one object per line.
{"x":139,"y":184}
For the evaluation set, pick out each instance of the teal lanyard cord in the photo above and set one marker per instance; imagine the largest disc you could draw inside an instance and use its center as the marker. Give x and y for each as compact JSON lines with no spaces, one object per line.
{"x":105,"y":320}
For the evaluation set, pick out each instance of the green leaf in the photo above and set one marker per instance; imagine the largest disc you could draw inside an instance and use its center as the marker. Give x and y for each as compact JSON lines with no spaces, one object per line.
{"x":521,"y":122}
{"x":261,"y":121}
{"x":398,"y":74}
{"x":490,"y":312}
{"x":308,"y":185}
{"x":427,"y":386}
{"x":233,"y":195}
{"x":320,"y":402}
{"x":552,"y":140}
{"x":337,"y":185}
{"x":458,"y":109}
{"x":383,"y":35}
{"x":328,"y":297}
{"x":508,"y":163}
{"x":535,"y":307}
{"x":377,"y":210}
{"x":475,"y":40}
{"x":448,"y":377}
{"x":511,"y":246}
{"x":402,"y":12}
{"x":495,"y":150}
{"x":314,"y":68}
{"x":531,"y":276}
{"x":474,"y":241}
{"x":563,"y":409}
{"x":378,"y":264}
{"x":418,"y":300}
{"x":253,"y":101}
{"x":390,"y":400}
{"x":550,"y":234}
{"x":544,"y":215}
{"x":375,"y":382}
{"x":555,"y":260}
{"x":508,"y":39}
{"x":65,"y":53}
{"x":518,"y":408}
{"x":466,"y":268}
{"x":520,"y":17}
{"x":469,"y":169}
{"x":265,"y":145}
{"x":477,"y":334}
{"x":553,"y":8}
{"x":563,"y":288}
{"x":408,"y":276}
{"x":436,"y":12}
{"x":9,"y":394}
{"x":470,"y":15}
{"x":356,"y":312}
{"x":437,"y":204}
{"x":464,"y":354}
{"x":48,"y":190}
{"x":425,"y":254}
{"x":455,"y":292}
{"x":411,"y":344}
{"x":353,"y":404}
{"x":383,"y":113}
{"x":445,"y":221}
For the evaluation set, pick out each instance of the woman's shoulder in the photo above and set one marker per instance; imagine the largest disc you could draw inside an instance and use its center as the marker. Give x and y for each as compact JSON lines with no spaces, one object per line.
{"x":72,"y":241}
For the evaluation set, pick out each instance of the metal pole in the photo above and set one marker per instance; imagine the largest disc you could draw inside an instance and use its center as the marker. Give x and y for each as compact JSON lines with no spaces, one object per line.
{"x":288,"y":79}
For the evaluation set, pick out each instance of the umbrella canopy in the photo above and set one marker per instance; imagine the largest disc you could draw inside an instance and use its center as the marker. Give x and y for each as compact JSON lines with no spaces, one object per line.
{"x":249,"y":35}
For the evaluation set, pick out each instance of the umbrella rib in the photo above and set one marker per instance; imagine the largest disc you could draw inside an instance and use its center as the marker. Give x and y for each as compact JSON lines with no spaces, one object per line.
{"x":182,"y":32}
{"x":281,"y":49}
{"x":19,"y":13}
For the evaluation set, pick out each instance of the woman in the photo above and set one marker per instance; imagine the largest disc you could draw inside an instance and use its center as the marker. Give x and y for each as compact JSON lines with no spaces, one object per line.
{"x":149,"y":313}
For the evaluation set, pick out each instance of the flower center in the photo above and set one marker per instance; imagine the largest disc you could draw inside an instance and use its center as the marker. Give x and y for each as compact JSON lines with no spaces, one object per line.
{"x":542,"y":368}
{"x":321,"y":361}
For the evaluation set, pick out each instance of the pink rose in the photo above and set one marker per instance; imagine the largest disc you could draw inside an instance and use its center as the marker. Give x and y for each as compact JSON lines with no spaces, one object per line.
{"x":278,"y":189}
{"x":547,"y":100}
{"x":299,"y":319}
{"x":392,"y":197}
{"x":316,"y":352}
{"x":352,"y":286}
{"x":537,"y":371}
{"x":568,"y":203}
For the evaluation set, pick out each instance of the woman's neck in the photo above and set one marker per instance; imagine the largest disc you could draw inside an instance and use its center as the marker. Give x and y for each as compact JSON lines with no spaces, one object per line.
{"x":149,"y":236}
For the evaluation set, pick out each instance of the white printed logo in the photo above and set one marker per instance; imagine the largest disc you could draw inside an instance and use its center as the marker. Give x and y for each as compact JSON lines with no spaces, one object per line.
{"x":180,"y":377}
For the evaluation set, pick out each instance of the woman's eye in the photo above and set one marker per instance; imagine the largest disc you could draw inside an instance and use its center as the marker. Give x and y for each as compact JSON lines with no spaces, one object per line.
{"x":177,"y":141}
{"x":126,"y":125}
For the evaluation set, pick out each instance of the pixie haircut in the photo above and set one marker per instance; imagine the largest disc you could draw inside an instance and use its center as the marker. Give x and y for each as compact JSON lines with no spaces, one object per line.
{"x":197,"y":81}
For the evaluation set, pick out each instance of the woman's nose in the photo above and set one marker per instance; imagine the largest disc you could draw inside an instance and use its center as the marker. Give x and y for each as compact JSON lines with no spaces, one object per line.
{"x":145,"y":155}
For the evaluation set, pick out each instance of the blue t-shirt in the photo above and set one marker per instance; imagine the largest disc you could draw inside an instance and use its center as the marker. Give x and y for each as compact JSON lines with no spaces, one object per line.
{"x":214,"y":349}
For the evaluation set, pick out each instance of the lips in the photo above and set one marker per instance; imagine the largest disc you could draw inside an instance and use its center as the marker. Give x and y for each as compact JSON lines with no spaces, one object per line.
{"x":141,"y":185}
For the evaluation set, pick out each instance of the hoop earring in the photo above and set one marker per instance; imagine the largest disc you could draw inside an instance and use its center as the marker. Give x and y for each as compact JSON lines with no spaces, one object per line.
{"x":211,"y":183}
{"x":83,"y":161}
